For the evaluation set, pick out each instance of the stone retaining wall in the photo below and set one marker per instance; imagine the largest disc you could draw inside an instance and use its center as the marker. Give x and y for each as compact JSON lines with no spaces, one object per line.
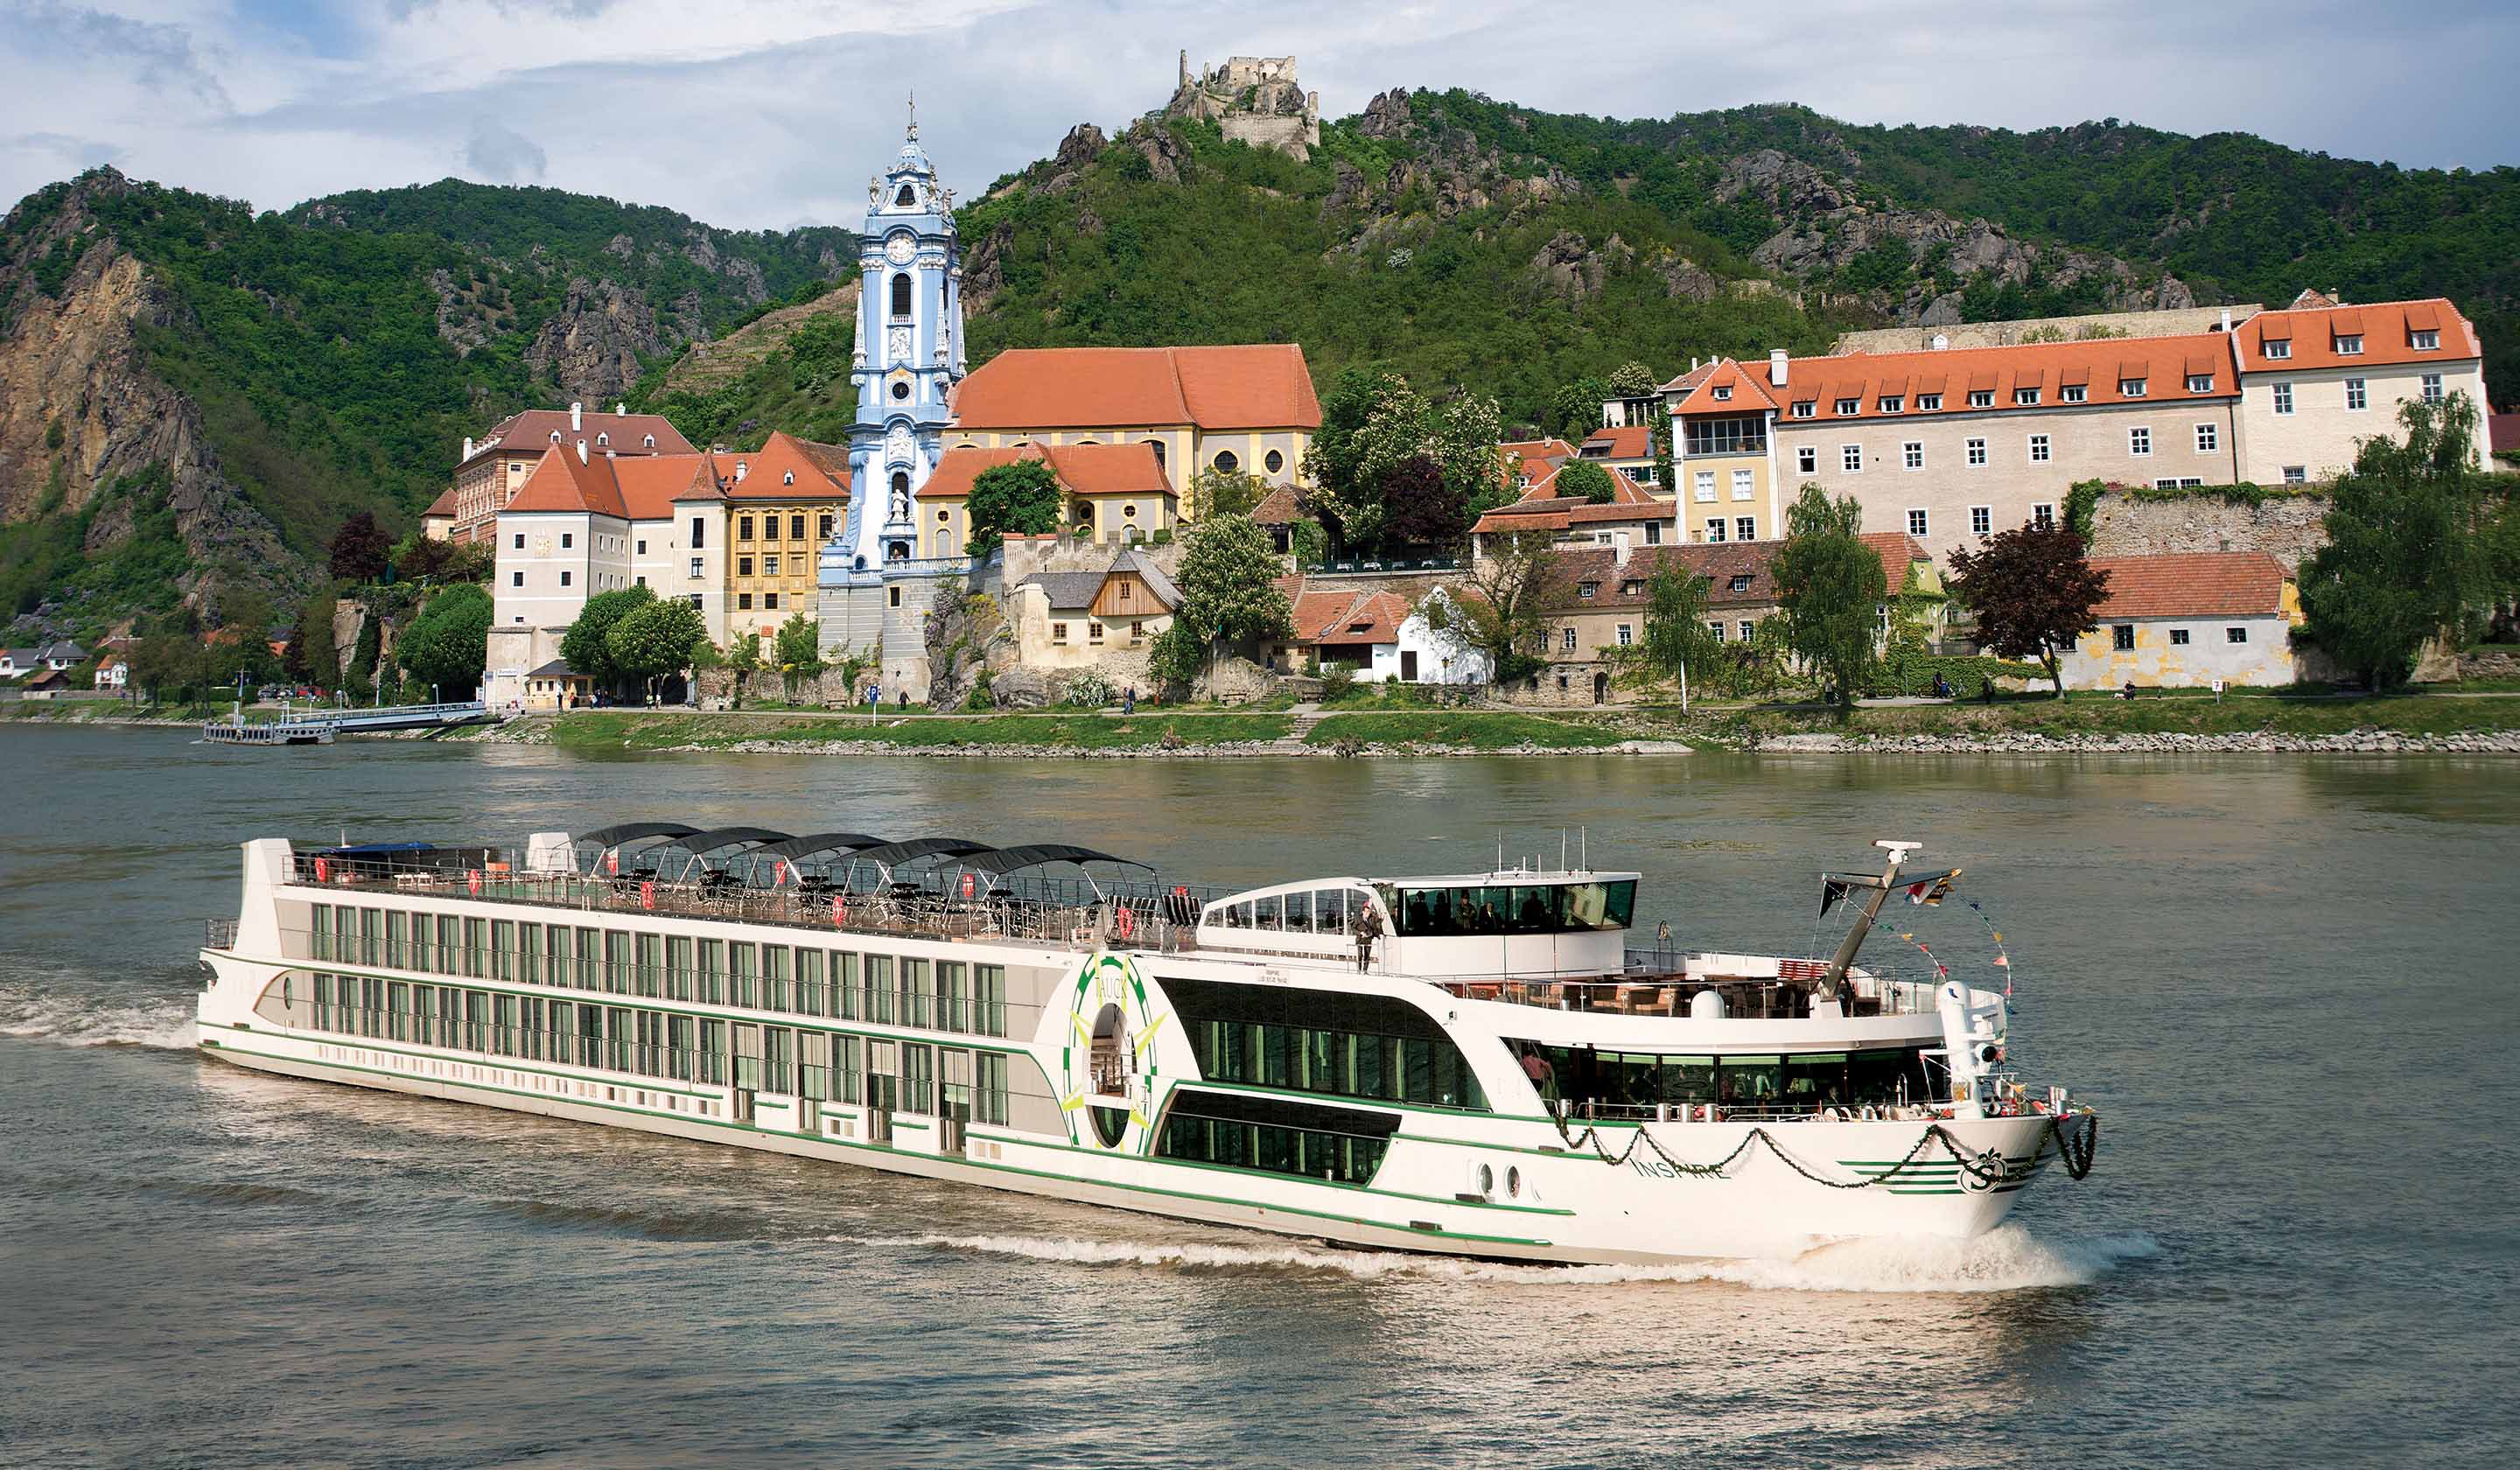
{"x":2290,"y":527}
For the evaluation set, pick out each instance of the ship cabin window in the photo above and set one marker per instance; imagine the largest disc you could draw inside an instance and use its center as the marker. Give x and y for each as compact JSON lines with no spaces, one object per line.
{"x":1511,"y":909}
{"x":1321,"y":911}
{"x":1615,"y":1084}
{"x":1334,"y":1043}
{"x":1274,"y":1135}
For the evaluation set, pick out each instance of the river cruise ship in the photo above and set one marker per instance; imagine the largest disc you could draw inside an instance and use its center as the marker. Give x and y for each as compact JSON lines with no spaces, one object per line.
{"x":1479,"y":1063}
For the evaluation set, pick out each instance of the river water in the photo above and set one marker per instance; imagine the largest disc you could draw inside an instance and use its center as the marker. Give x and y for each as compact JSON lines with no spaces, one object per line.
{"x":2287,"y":982}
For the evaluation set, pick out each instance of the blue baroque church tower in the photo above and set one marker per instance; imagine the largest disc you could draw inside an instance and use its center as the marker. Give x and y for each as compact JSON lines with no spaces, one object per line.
{"x":876,"y":589}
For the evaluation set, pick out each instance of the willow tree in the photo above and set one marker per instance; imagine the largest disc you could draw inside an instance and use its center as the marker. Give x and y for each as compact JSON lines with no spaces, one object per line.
{"x":1831,"y":590}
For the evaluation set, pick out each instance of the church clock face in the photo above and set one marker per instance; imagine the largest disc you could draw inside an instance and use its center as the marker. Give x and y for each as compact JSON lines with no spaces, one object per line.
{"x":899,"y":248}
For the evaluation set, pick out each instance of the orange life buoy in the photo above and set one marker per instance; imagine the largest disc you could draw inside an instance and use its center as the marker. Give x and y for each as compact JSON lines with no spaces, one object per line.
{"x":613,"y":861}
{"x":472,"y":880}
{"x":839,"y":910}
{"x":323,"y":871}
{"x":1125,"y":921}
{"x":968,"y":885}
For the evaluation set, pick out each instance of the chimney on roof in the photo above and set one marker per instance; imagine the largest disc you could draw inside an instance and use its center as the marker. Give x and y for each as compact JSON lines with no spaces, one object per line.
{"x":1942,"y":342}
{"x":581,"y":451}
{"x":1777,"y":367}
{"x":741,"y":469}
{"x":468,"y":447}
{"x":2226,"y":318}
{"x":620,"y":409}
{"x":1618,"y":548}
{"x":576,"y":416}
{"x":1693,"y":365}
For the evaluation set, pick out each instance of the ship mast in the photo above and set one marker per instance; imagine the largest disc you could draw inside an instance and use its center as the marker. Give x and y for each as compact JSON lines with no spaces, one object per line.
{"x":1881,"y":888}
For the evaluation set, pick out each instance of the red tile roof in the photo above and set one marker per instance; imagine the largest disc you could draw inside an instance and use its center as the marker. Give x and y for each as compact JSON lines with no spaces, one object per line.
{"x":1558,"y":512}
{"x":442,"y":508}
{"x":767,"y":469}
{"x":1741,"y":392}
{"x":1081,"y":468}
{"x":1898,"y":551}
{"x":1339,"y":617}
{"x":2387,"y":330}
{"x":2098,"y":366}
{"x":1279,"y":508}
{"x":1620,"y":441}
{"x":1614,"y":584}
{"x":626,"y":433}
{"x":2198,"y":584}
{"x":1258,"y":386}
{"x":647,"y":487}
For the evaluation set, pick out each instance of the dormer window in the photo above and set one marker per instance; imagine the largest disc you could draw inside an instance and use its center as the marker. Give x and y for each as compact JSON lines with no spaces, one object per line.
{"x":649,"y":441}
{"x":1724,"y":394}
{"x":2427,"y":342}
{"x":1891,"y":404}
{"x":1740,"y":582}
{"x":906,"y":197}
{"x":1929,"y":403}
{"x":2130,"y":388}
{"x":788,"y":478}
{"x":2200,"y":383}
{"x":2349,"y":344}
{"x":1631,"y":587}
{"x":602,"y":439}
{"x":1982,"y":398}
{"x":555,"y":436}
{"x":1805,"y":407}
{"x":2025,"y":397}
{"x":2279,"y":350}
{"x":2073,"y":392}
{"x":1588,"y":589}
{"x":1850,"y":406}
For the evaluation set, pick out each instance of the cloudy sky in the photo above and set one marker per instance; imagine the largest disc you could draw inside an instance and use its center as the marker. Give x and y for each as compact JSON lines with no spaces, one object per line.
{"x":766,"y":114}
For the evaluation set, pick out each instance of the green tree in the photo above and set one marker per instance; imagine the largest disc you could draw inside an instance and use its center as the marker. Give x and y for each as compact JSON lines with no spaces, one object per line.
{"x":655,"y":642}
{"x":741,"y":657}
{"x":1575,"y":410}
{"x":448,"y":644}
{"x":1215,"y":492}
{"x":1502,"y":606}
{"x":359,"y":549}
{"x":1229,"y":571}
{"x":162,"y":661}
{"x":1674,"y":639}
{"x":1631,"y":380}
{"x":1347,"y":490}
{"x":1584,"y":479}
{"x":313,"y":658}
{"x":587,"y":645}
{"x":797,"y":651}
{"x":2032,"y":591}
{"x":1829,"y":590}
{"x":2413,"y":532}
{"x":1374,"y":426}
{"x":1021,"y":497}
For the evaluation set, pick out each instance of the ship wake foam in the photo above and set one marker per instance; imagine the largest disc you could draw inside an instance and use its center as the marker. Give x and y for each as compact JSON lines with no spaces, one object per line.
{"x":70,"y":1019}
{"x":2009,"y":1258}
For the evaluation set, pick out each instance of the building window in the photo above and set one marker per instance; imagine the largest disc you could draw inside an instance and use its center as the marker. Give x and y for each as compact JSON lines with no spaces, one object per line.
{"x":2122,"y":637}
{"x":1586,"y":589}
{"x":2357,"y":399}
{"x":1981,"y":398}
{"x":2236,"y":635}
{"x":1724,"y":394}
{"x":1627,"y":635}
{"x":1746,"y":627}
{"x":892,"y":597}
{"x":2296,"y":474}
{"x":2178,"y":638}
{"x":744,"y":528}
{"x":1977,"y":451}
{"x":2283,"y":398}
{"x":700,"y":537}
{"x":2130,"y":388}
{"x":1746,"y":528}
{"x":1092,"y":631}
{"x":796,"y":526}
{"x":1058,"y":633}
{"x":744,"y":566}
{"x":564,"y":579}
{"x":770,"y":602}
{"x":1850,"y":406}
{"x":1928,"y":403}
{"x":567,"y":540}
{"x":744,"y":602}
{"x":1225,"y":460}
{"x":520,"y":541}
{"x":1706,"y":486}
{"x":2074,"y":393}
{"x":1891,"y":404}
{"x":1741,"y":484}
{"x":1916,"y":522}
{"x":696,"y":566}
{"x":2349,"y":344}
{"x":2038,"y":449}
{"x":1913,"y":454}
{"x":1714,"y":528}
{"x":1806,"y":459}
{"x":2277,"y":351}
{"x":2025,"y":397}
{"x":2432,"y":387}
{"x":1806,"y":408}
{"x":2043,"y":514}
{"x":1851,"y":456}
{"x":516,"y":579}
{"x":1273,"y":462}
{"x":1566,"y":640}
{"x":770,"y":567}
{"x":901,"y":283}
{"x":1981,"y":520}
{"x":1740,"y":582}
{"x":643,"y":546}
{"x":1642,"y":474}
{"x":2427,"y":342}
{"x":1654,"y":533}
{"x":2208,"y":439}
{"x":2200,"y":383}
{"x":2139,"y":440}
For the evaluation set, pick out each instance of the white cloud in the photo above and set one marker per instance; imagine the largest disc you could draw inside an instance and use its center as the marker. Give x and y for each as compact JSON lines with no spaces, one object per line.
{"x":771,"y":112}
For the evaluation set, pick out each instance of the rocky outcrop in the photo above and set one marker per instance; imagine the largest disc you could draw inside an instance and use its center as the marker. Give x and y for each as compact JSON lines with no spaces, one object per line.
{"x":1165,"y":157}
{"x":710,"y":363}
{"x":1077,"y":151}
{"x":1568,"y":267}
{"x":87,"y":427}
{"x":1387,"y":115}
{"x":1686,"y":280}
{"x":984,"y":267}
{"x":592,"y":345}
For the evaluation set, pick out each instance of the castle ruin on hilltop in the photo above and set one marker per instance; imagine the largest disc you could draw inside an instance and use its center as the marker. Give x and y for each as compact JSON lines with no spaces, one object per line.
{"x":1253,"y":98}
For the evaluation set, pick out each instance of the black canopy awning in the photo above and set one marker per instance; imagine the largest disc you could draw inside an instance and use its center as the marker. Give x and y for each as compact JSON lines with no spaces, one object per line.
{"x":894,"y":853}
{"x":631,"y":831}
{"x":811,"y":843}
{"x":1007,"y":860}
{"x":700,"y":843}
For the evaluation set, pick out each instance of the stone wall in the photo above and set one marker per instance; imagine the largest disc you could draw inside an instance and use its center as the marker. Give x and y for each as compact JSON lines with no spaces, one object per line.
{"x":2174,"y":322}
{"x":2290,"y":527}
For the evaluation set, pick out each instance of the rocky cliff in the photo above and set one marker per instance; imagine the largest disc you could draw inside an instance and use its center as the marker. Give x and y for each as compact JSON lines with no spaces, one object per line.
{"x":89,"y":435}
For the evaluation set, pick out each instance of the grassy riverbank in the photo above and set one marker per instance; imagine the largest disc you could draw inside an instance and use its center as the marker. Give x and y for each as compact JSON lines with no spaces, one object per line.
{"x":1469,"y":728}
{"x":2150,"y":714}
{"x":638,"y":730}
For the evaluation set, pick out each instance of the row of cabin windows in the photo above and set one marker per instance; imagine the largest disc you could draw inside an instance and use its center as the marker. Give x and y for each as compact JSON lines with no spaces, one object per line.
{"x":1339,"y":1044}
{"x":1234,"y":1133}
{"x":826,"y":1066}
{"x":892,"y":990}
{"x":1580,"y":1076}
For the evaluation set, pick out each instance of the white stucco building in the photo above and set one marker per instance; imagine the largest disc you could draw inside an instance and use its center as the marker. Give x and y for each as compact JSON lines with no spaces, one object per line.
{"x":2186,"y":621}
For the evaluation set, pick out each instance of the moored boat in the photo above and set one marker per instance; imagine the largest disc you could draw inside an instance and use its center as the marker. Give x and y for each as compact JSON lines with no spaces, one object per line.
{"x":1473,"y":1063}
